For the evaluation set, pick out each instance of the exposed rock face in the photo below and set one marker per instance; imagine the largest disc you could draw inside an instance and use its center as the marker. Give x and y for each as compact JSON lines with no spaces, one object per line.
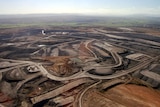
{"x":123,"y":96}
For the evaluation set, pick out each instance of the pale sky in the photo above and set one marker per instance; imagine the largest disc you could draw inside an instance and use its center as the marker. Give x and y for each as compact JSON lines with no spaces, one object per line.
{"x":96,"y":7}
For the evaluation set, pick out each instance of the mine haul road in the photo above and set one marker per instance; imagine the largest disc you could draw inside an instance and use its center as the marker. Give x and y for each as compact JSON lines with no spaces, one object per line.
{"x":82,"y":74}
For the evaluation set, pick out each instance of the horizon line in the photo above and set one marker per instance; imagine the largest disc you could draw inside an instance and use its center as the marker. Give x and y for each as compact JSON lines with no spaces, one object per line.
{"x":83,"y":14}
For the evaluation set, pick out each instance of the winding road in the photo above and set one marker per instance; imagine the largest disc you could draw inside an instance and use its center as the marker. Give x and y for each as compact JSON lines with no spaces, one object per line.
{"x":85,"y":73}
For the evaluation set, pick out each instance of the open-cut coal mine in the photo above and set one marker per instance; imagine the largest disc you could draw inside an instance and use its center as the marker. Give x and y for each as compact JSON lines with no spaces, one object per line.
{"x":79,"y":67}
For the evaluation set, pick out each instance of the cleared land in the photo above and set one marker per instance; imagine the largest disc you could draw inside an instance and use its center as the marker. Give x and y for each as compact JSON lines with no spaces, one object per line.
{"x":79,"y":66}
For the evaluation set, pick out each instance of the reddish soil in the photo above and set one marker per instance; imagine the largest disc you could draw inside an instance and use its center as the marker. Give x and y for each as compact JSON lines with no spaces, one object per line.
{"x":123,"y":96}
{"x":83,"y":51}
{"x":6,"y":100}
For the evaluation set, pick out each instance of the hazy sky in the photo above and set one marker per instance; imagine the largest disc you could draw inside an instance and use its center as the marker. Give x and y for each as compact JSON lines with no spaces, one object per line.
{"x":99,"y":7}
